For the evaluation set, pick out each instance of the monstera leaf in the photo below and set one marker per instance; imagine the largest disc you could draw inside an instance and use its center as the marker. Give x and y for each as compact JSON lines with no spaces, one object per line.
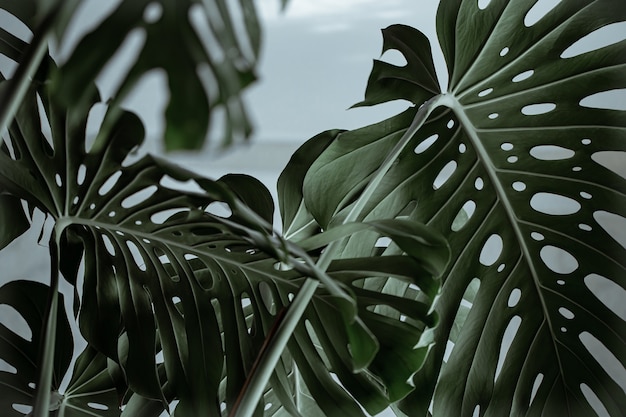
{"x":200,"y":275}
{"x":509,"y":165}
{"x":90,"y":392}
{"x":207,"y":49}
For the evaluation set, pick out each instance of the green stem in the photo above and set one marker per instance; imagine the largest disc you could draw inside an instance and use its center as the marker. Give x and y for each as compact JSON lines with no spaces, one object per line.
{"x":275,"y":343}
{"x":18,"y":85}
{"x":46,"y":366}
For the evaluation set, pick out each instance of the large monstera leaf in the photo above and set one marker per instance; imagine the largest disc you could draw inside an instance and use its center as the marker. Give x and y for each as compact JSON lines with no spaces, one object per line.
{"x":91,"y":390}
{"x":508,"y":165}
{"x":200,"y":275}
{"x":207,"y":49}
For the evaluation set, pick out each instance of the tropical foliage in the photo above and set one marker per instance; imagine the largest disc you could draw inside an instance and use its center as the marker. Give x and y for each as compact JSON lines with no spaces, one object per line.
{"x":445,"y":261}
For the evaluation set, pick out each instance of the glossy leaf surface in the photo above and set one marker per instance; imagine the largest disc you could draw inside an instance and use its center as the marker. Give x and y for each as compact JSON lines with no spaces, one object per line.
{"x":512,"y":169}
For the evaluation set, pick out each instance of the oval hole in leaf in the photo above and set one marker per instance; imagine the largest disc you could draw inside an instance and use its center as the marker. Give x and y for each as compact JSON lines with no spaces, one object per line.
{"x":523,"y":76}
{"x":504,"y":51}
{"x":491,"y":250}
{"x":613,"y":224}
{"x":383,"y":242}
{"x":536,"y":385}
{"x":514,"y":297}
{"x":22,"y":408}
{"x":98,"y":406}
{"x":108,"y":245}
{"x":600,"y":38}
{"x":137,"y":256}
{"x":139,"y":197}
{"x":537,"y":109}
{"x":153,"y":12}
{"x":444,"y":175}
{"x":482,"y":4}
{"x":554,"y":204}
{"x":476,"y":412}
{"x":485,"y":92}
{"x":463,"y":216}
{"x":507,"y":340}
{"x":615,"y":161}
{"x":110,"y":183}
{"x":426,"y":143}
{"x":58,"y":180}
{"x":551,"y":152}
{"x":605,"y":358}
{"x":161,"y":217}
{"x":558,"y":260}
{"x":566,"y":313}
{"x":82,"y":172}
{"x":608,"y":292}
{"x":538,"y":11}
{"x":610,"y":100}
{"x":594,"y":401}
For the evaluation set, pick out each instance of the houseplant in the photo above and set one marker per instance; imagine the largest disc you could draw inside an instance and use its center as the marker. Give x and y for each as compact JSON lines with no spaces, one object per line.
{"x":474,"y":164}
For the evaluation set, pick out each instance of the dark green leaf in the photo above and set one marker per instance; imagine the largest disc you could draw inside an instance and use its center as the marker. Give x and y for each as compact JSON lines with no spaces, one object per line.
{"x":511,"y":173}
{"x":13,"y":220}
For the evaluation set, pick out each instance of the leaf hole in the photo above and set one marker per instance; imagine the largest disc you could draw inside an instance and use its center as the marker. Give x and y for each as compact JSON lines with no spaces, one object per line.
{"x":577,"y":169}
{"x":476,"y":412}
{"x":514,"y":297}
{"x":501,"y":267}
{"x":219,"y":209}
{"x":493,"y":116}
{"x":598,"y":39}
{"x":609,"y":293}
{"x":506,"y":146}
{"x":539,"y":10}
{"x":566,"y":313}
{"x":450,"y":124}
{"x":563,"y":329}
{"x":22,"y":408}
{"x":612,"y":160}
{"x":523,"y":76}
{"x":448,"y":351}
{"x":491,"y":251}
{"x":7,"y":367}
{"x":551,"y":153}
{"x":585,"y":195}
{"x":609,"y":100}
{"x":153,"y":12}
{"x":554,"y":204}
{"x":586,"y":141}
{"x":58,"y":180}
{"x":137,"y":256}
{"x":512,"y":159}
{"x":444,"y":175}
{"x":97,"y":406}
{"x":560,"y":282}
{"x":177,"y":185}
{"x":426,"y":143}
{"x":110,"y":183}
{"x":394,"y":57}
{"x":483,"y":4}
{"x":462,"y":148}
{"x":585,"y":227}
{"x":536,"y":385}
{"x":485,"y":92}
{"x":507,"y":340}
{"x":518,"y":186}
{"x":538,"y":108}
{"x":108,"y":245}
{"x":504,"y":51}
{"x":383,"y":242}
{"x":139,"y":197}
{"x":537,"y":236}
{"x":594,"y":401}
{"x":558,"y":260}
{"x":161,"y":217}
{"x":463,"y":216}
{"x":479,"y":183}
{"x":605,"y":358}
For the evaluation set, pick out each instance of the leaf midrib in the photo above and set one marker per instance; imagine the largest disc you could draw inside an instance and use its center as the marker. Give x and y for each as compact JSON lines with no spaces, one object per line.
{"x":451,"y":101}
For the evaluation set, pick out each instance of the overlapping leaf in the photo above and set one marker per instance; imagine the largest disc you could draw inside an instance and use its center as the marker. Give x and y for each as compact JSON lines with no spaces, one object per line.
{"x":90,"y":392}
{"x":515,"y":153}
{"x":182,"y":270}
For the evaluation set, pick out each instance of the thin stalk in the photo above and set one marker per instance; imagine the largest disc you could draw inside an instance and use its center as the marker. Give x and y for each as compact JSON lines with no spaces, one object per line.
{"x":17,"y":86}
{"x":276,"y":342}
{"x":46,"y":365}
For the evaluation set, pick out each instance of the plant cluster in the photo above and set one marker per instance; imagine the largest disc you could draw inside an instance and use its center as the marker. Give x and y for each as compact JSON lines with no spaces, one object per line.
{"x":437,"y":228}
